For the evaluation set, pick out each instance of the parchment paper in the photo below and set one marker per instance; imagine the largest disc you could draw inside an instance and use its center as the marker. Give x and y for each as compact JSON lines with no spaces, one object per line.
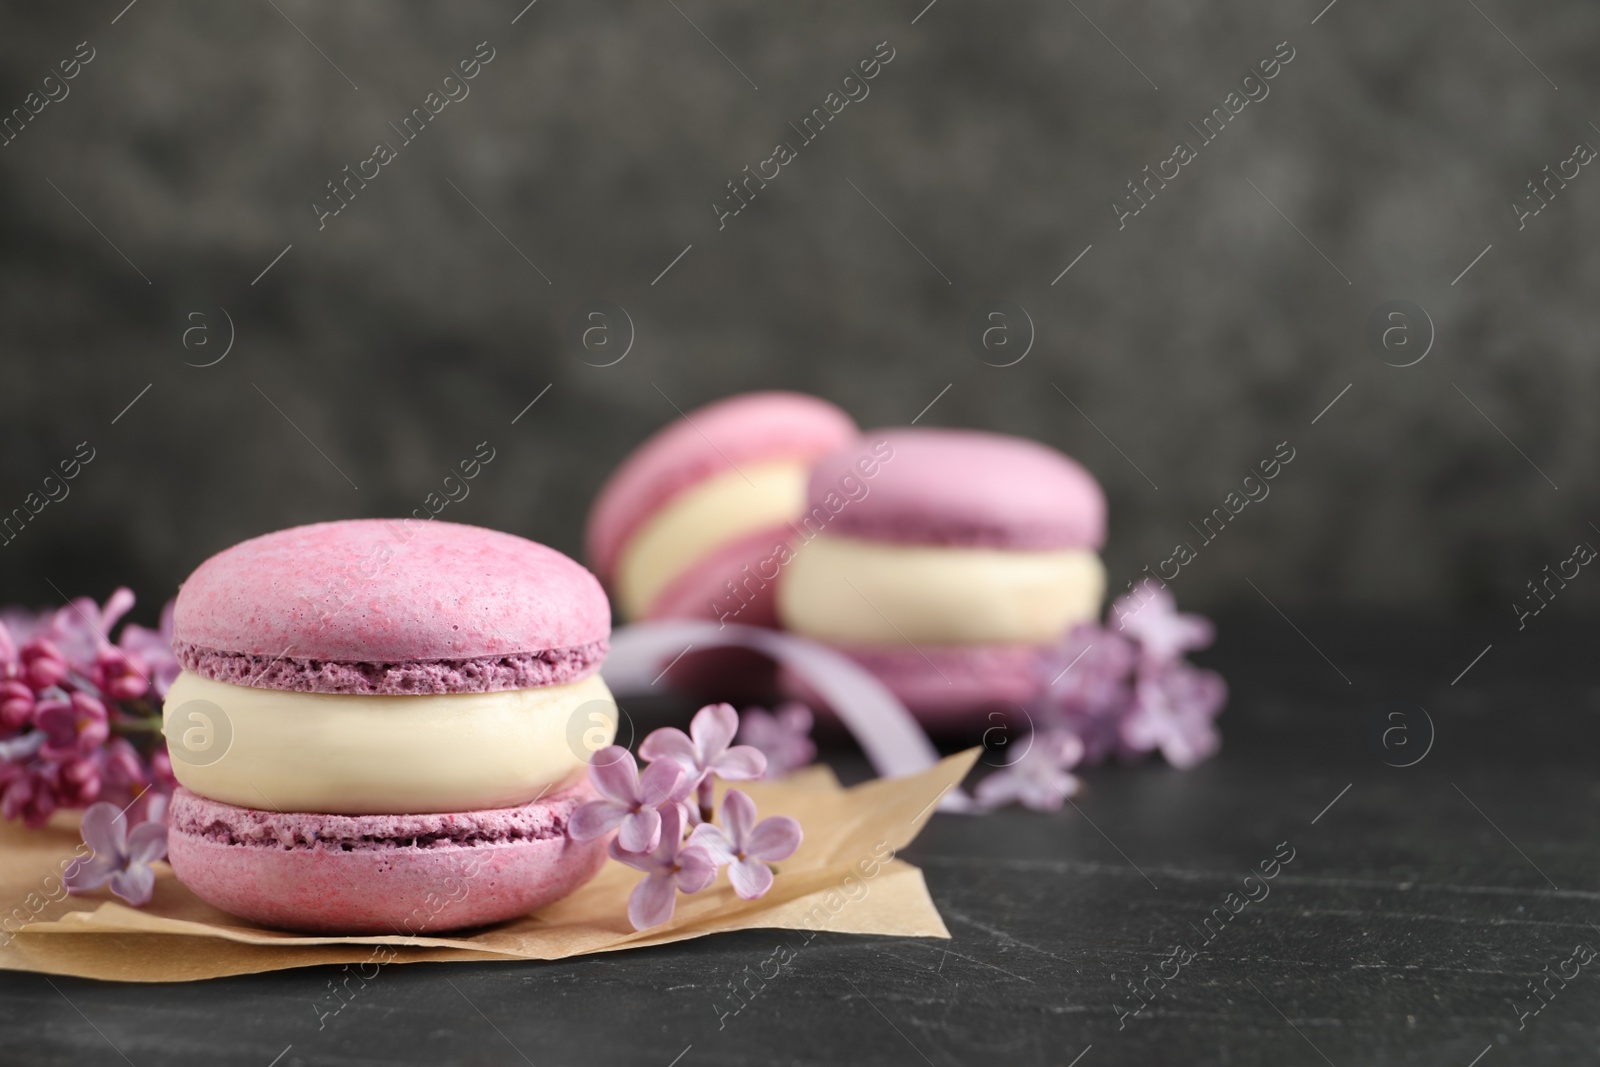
{"x":841,"y":880}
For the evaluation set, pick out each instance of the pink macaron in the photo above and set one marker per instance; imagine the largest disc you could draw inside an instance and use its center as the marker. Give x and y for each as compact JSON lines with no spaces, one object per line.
{"x":684,"y":526}
{"x":382,"y":724}
{"x":944,"y":561}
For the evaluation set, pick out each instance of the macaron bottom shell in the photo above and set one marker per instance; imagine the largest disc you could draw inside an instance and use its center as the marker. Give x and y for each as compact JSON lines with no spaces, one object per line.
{"x":374,"y":878}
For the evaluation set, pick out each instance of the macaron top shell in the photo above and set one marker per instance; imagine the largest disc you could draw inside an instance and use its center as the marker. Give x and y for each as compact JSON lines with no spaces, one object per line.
{"x":747,"y":428}
{"x":391,"y":606}
{"x":961,"y":488}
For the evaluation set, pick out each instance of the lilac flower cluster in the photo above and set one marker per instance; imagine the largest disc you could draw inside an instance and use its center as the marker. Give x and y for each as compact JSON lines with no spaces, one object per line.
{"x":80,"y":717}
{"x":1121,"y":690}
{"x":663,"y":816}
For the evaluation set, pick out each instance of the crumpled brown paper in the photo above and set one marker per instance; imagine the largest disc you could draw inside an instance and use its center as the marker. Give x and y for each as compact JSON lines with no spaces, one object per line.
{"x":841,"y":880}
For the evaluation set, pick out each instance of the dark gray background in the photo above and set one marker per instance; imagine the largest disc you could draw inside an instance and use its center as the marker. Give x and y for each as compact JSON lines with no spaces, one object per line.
{"x":1196,"y":339}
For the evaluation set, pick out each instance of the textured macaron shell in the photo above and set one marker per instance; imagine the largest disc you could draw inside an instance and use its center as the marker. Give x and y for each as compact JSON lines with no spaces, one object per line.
{"x":368,"y":874}
{"x":960,"y":487}
{"x":750,"y":427}
{"x":391,"y":606}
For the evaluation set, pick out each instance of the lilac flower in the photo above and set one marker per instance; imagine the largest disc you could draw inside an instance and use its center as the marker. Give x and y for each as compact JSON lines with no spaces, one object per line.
{"x":64,"y":690}
{"x":161,"y":775}
{"x":82,"y":628}
{"x":783,"y":737}
{"x":745,"y":843}
{"x":42,"y":664}
{"x":27,"y":793}
{"x":24,"y":625}
{"x":73,"y":725}
{"x":1037,"y":777}
{"x":121,"y":856}
{"x":16,"y":705}
{"x":1173,"y":710}
{"x":151,"y":651}
{"x":124,"y":774}
{"x":707,"y":753}
{"x":1086,"y":689}
{"x":636,"y":803}
{"x":1150,"y":616}
{"x":118,"y":676}
{"x":670,"y":867}
{"x":76,"y":782}
{"x":26,"y":782}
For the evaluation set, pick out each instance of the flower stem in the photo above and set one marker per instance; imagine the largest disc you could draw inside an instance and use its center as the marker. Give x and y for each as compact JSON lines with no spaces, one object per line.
{"x":704,"y":797}
{"x":150,"y":725}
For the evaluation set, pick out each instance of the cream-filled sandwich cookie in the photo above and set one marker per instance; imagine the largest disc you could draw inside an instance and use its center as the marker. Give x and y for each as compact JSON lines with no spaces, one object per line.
{"x":947,"y":573}
{"x":682,"y":525}
{"x":371,"y":707}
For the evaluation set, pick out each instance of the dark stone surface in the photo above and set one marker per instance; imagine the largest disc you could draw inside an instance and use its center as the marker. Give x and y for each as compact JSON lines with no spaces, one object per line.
{"x":1399,"y":933}
{"x":1196,"y":338}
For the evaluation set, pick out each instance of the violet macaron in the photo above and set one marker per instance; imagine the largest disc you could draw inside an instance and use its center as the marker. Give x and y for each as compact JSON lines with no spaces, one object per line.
{"x":944,"y":561}
{"x":692,"y":522}
{"x":383,"y":726}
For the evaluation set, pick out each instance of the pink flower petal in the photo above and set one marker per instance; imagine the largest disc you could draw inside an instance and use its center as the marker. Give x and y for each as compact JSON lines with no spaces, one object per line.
{"x":120,"y":603}
{"x":740,"y":763}
{"x":1003,"y":787}
{"x":750,"y":878}
{"x":105,"y":831}
{"x":697,"y":869}
{"x":1047,"y":793}
{"x":714,"y":840}
{"x":640,"y":831}
{"x":147,"y":842}
{"x":615,"y":774}
{"x":639,"y":861}
{"x":738,"y":816}
{"x":713,"y":728}
{"x":595,"y":819}
{"x":136,"y":884}
{"x":774,"y":839}
{"x":663,"y":783}
{"x":1192,"y":746}
{"x":653,"y":900}
{"x":670,"y":743}
{"x":87,"y":874}
{"x":795,"y":717}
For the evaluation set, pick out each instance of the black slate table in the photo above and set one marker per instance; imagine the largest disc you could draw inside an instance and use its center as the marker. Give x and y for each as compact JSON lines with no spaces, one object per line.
{"x":1420,"y":903}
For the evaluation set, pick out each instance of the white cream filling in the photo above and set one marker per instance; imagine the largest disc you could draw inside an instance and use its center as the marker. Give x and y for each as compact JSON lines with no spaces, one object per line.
{"x":382,"y":755}
{"x":702,"y":519}
{"x":851,"y":591}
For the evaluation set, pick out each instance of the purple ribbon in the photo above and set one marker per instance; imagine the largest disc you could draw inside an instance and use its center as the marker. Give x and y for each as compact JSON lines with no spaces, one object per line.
{"x":893,"y":741}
